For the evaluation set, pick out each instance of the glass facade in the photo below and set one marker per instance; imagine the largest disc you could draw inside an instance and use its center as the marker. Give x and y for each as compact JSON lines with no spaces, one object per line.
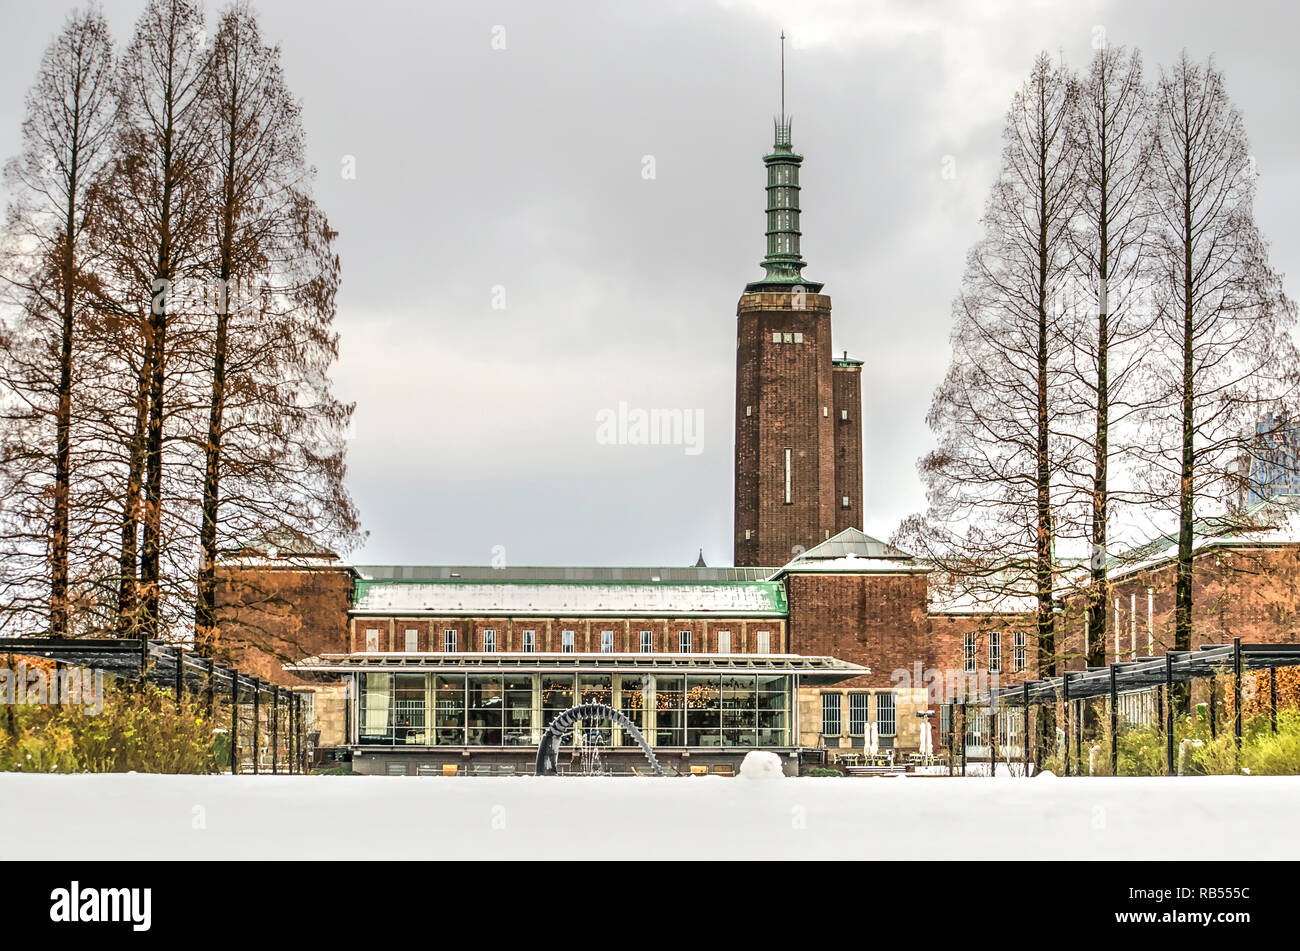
{"x":494,"y":710}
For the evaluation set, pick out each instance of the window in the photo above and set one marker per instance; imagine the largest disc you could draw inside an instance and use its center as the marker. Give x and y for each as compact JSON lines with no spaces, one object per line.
{"x":830,"y":714}
{"x":798,"y":338}
{"x":787,"y":477}
{"x":995,"y":652}
{"x":858,"y":713}
{"x":684,"y":642}
{"x":530,"y":641}
{"x":1151,"y":607}
{"x":372,"y":639}
{"x":449,"y":640}
{"x":845,"y":503}
{"x":724,"y":642}
{"x":945,"y":720}
{"x":566,"y":642}
{"x":886,"y":714}
{"x":1018,"y":650}
{"x":776,"y":336}
{"x":647,"y":642}
{"x":764,"y":642}
{"x":844,"y":414}
{"x":412,"y":640}
{"x":607,"y":642}
{"x":490,"y":641}
{"x":968,"y":652}
{"x":1117,"y":625}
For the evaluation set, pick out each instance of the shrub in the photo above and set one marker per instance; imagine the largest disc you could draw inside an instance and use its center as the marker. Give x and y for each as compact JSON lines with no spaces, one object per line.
{"x":1269,"y":754}
{"x":138,"y":729}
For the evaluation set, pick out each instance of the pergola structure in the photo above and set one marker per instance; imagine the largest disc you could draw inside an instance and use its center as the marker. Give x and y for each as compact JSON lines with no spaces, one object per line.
{"x":170,"y":666}
{"x":1160,"y":671}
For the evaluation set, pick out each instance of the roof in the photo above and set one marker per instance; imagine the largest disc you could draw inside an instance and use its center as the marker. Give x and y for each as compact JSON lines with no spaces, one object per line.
{"x":1271,"y":521}
{"x":577,"y":598}
{"x":1004,"y":590}
{"x":853,"y":551}
{"x":809,"y":669}
{"x":692,"y":574}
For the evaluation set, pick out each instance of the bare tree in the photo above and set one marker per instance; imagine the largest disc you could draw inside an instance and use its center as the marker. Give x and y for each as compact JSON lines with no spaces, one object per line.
{"x":1220,"y":312}
{"x":1112,"y":341}
{"x":273,"y":446}
{"x":994,"y":481}
{"x":160,"y":192}
{"x":66,"y":139}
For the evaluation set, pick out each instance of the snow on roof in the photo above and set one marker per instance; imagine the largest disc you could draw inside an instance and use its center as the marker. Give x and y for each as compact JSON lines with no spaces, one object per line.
{"x":856,"y":563}
{"x":1273,"y":521}
{"x":852,"y":550}
{"x":569,"y":598}
{"x":1003,"y":590}
{"x":692,"y":574}
{"x":951,"y":601}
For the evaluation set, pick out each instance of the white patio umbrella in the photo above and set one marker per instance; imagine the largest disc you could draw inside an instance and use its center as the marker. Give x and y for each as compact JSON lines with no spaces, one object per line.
{"x":873,"y":739}
{"x":927,"y":739}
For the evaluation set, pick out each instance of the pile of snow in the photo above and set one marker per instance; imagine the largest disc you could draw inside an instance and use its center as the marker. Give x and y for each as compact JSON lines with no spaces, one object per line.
{"x":759,"y":764}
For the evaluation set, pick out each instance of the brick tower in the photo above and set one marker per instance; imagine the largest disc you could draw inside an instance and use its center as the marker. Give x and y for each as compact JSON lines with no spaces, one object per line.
{"x":798,"y":409}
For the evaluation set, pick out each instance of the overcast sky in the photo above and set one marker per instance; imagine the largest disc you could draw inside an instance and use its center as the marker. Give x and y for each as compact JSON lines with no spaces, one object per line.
{"x":519,"y":175}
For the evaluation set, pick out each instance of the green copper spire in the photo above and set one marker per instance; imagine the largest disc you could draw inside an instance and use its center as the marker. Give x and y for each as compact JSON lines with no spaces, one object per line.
{"x":783,"y":264}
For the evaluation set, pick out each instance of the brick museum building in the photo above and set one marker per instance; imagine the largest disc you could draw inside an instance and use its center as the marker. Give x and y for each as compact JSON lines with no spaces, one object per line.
{"x":817,"y":638}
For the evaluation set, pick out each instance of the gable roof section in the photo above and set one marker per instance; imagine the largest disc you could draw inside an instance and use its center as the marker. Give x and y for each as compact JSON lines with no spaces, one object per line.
{"x":852,"y":551}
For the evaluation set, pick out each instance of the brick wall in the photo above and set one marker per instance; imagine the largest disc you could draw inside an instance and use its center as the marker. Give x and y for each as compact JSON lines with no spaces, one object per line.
{"x":879,"y":620}
{"x":1251,"y":593}
{"x":784,"y":396}
{"x":846,"y":415}
{"x":268,"y":616}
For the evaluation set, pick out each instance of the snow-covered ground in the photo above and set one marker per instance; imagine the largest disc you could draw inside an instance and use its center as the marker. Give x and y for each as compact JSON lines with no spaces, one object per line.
{"x":148,"y":816}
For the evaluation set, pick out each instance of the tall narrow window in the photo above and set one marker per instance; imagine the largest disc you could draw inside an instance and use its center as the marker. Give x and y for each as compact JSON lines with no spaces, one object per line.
{"x":886,"y":714}
{"x":787,"y":477}
{"x":647,"y":642}
{"x":490,"y":641}
{"x":830,"y":714}
{"x":566,"y":642}
{"x":1133,"y":626}
{"x":684,"y":642}
{"x":372,"y":638}
{"x":530,"y":642}
{"x":968,"y":652}
{"x":449,"y":640}
{"x":412,"y":640}
{"x":995,"y":652}
{"x":607,"y":642}
{"x":1018,"y":658}
{"x":1117,"y":630}
{"x":1151,"y":631}
{"x":763,"y":643}
{"x":858,"y":713}
{"x":724,"y":642}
